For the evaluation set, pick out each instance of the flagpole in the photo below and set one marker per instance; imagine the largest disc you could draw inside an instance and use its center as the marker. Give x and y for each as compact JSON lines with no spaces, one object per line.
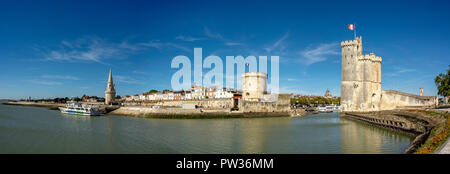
{"x":354,"y":29}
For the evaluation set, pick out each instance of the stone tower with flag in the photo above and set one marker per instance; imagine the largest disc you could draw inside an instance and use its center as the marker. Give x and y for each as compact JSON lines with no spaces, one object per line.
{"x":361,"y":78}
{"x":110,"y":93}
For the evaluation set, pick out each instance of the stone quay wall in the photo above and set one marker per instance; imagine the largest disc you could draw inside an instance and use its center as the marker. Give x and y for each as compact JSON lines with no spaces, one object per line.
{"x":418,"y":124}
{"x":220,"y":103}
{"x":281,"y":105}
{"x":221,"y":107}
{"x":391,"y":99}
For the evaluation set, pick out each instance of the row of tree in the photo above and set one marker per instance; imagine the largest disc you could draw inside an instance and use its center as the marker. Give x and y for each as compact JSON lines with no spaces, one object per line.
{"x":306,"y":100}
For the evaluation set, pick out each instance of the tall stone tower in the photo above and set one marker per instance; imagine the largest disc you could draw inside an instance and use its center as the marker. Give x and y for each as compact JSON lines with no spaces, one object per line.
{"x":420,"y":91}
{"x":110,"y":92}
{"x":361,"y":78}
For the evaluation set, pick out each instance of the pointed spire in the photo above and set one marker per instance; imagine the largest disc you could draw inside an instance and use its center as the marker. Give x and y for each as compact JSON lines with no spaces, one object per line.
{"x":110,"y":85}
{"x":110,"y":79}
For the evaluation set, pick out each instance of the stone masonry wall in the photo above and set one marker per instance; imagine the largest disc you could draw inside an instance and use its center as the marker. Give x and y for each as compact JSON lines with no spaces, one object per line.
{"x":391,"y":99}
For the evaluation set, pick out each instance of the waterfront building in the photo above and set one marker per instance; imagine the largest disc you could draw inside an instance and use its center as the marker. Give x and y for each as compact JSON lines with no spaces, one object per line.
{"x":178,"y":95}
{"x":135,"y":97}
{"x":188,"y":95}
{"x":224,"y":93}
{"x":170,"y":95}
{"x":128,"y":98}
{"x":143,"y":96}
{"x":110,"y":92}
{"x":198,"y":92}
{"x":92,"y":99}
{"x":210,"y":92}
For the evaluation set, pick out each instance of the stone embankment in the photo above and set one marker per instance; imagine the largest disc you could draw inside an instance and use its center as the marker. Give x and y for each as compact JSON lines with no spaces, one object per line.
{"x":175,"y":112}
{"x":413,"y":122}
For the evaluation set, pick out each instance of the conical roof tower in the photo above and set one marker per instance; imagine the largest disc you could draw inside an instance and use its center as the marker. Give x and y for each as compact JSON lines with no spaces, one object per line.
{"x":110,"y":92}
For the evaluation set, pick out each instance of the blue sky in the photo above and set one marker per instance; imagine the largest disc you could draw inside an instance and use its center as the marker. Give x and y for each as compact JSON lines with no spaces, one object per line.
{"x":66,"y":48}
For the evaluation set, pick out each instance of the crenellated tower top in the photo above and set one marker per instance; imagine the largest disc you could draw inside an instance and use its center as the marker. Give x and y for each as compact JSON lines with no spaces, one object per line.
{"x":371,"y":57}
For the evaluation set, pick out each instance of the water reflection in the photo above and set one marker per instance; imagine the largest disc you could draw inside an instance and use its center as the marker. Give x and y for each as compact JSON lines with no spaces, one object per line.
{"x":38,"y":130}
{"x":363,"y":138}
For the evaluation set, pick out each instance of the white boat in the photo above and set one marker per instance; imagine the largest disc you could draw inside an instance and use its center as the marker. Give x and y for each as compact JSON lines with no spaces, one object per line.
{"x":79,"y":109}
{"x":324,"y":109}
{"x":329,"y":108}
{"x":336,"y":108}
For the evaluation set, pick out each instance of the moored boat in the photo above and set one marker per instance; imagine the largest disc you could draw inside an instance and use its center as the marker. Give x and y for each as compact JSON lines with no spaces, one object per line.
{"x":80,"y":109}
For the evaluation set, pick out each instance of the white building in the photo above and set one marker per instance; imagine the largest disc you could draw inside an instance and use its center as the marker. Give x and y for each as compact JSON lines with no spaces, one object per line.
{"x":188,"y":95}
{"x":170,"y":96}
{"x":198,"y":92}
{"x":143,"y":97}
{"x":135,"y":97}
{"x":224,"y":93}
{"x":210,"y":92}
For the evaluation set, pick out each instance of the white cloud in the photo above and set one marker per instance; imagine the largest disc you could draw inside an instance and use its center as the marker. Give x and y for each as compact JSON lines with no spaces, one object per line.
{"x":161,"y":45}
{"x":43,"y":82}
{"x":211,"y":34}
{"x":295,"y":90}
{"x":319,"y":53}
{"x":398,"y":71}
{"x":233,"y":43}
{"x":291,"y":79}
{"x":90,"y":49}
{"x":60,"y":77}
{"x":403,"y":70}
{"x":126,"y":79}
{"x":187,"y":38}
{"x":139,"y":72}
{"x":219,"y":37}
{"x":94,"y":49}
{"x":278,"y":43}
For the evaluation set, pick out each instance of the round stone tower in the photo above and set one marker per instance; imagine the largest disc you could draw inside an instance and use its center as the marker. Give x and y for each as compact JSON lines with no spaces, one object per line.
{"x":254,"y":85}
{"x":110,"y":93}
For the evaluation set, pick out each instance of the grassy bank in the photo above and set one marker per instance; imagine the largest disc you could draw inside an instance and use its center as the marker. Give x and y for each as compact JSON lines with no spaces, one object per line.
{"x":438,"y":135}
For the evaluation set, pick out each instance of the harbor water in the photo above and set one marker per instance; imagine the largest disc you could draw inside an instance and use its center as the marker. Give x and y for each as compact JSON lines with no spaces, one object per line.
{"x":39,"y":130}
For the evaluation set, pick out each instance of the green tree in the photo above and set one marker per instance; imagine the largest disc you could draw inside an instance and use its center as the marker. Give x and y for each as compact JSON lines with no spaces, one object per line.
{"x":153,"y":91}
{"x":77,"y":99}
{"x":443,"y":83}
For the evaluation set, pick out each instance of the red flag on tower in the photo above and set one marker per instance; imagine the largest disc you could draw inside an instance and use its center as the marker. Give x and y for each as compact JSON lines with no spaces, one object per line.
{"x":351,"y":26}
